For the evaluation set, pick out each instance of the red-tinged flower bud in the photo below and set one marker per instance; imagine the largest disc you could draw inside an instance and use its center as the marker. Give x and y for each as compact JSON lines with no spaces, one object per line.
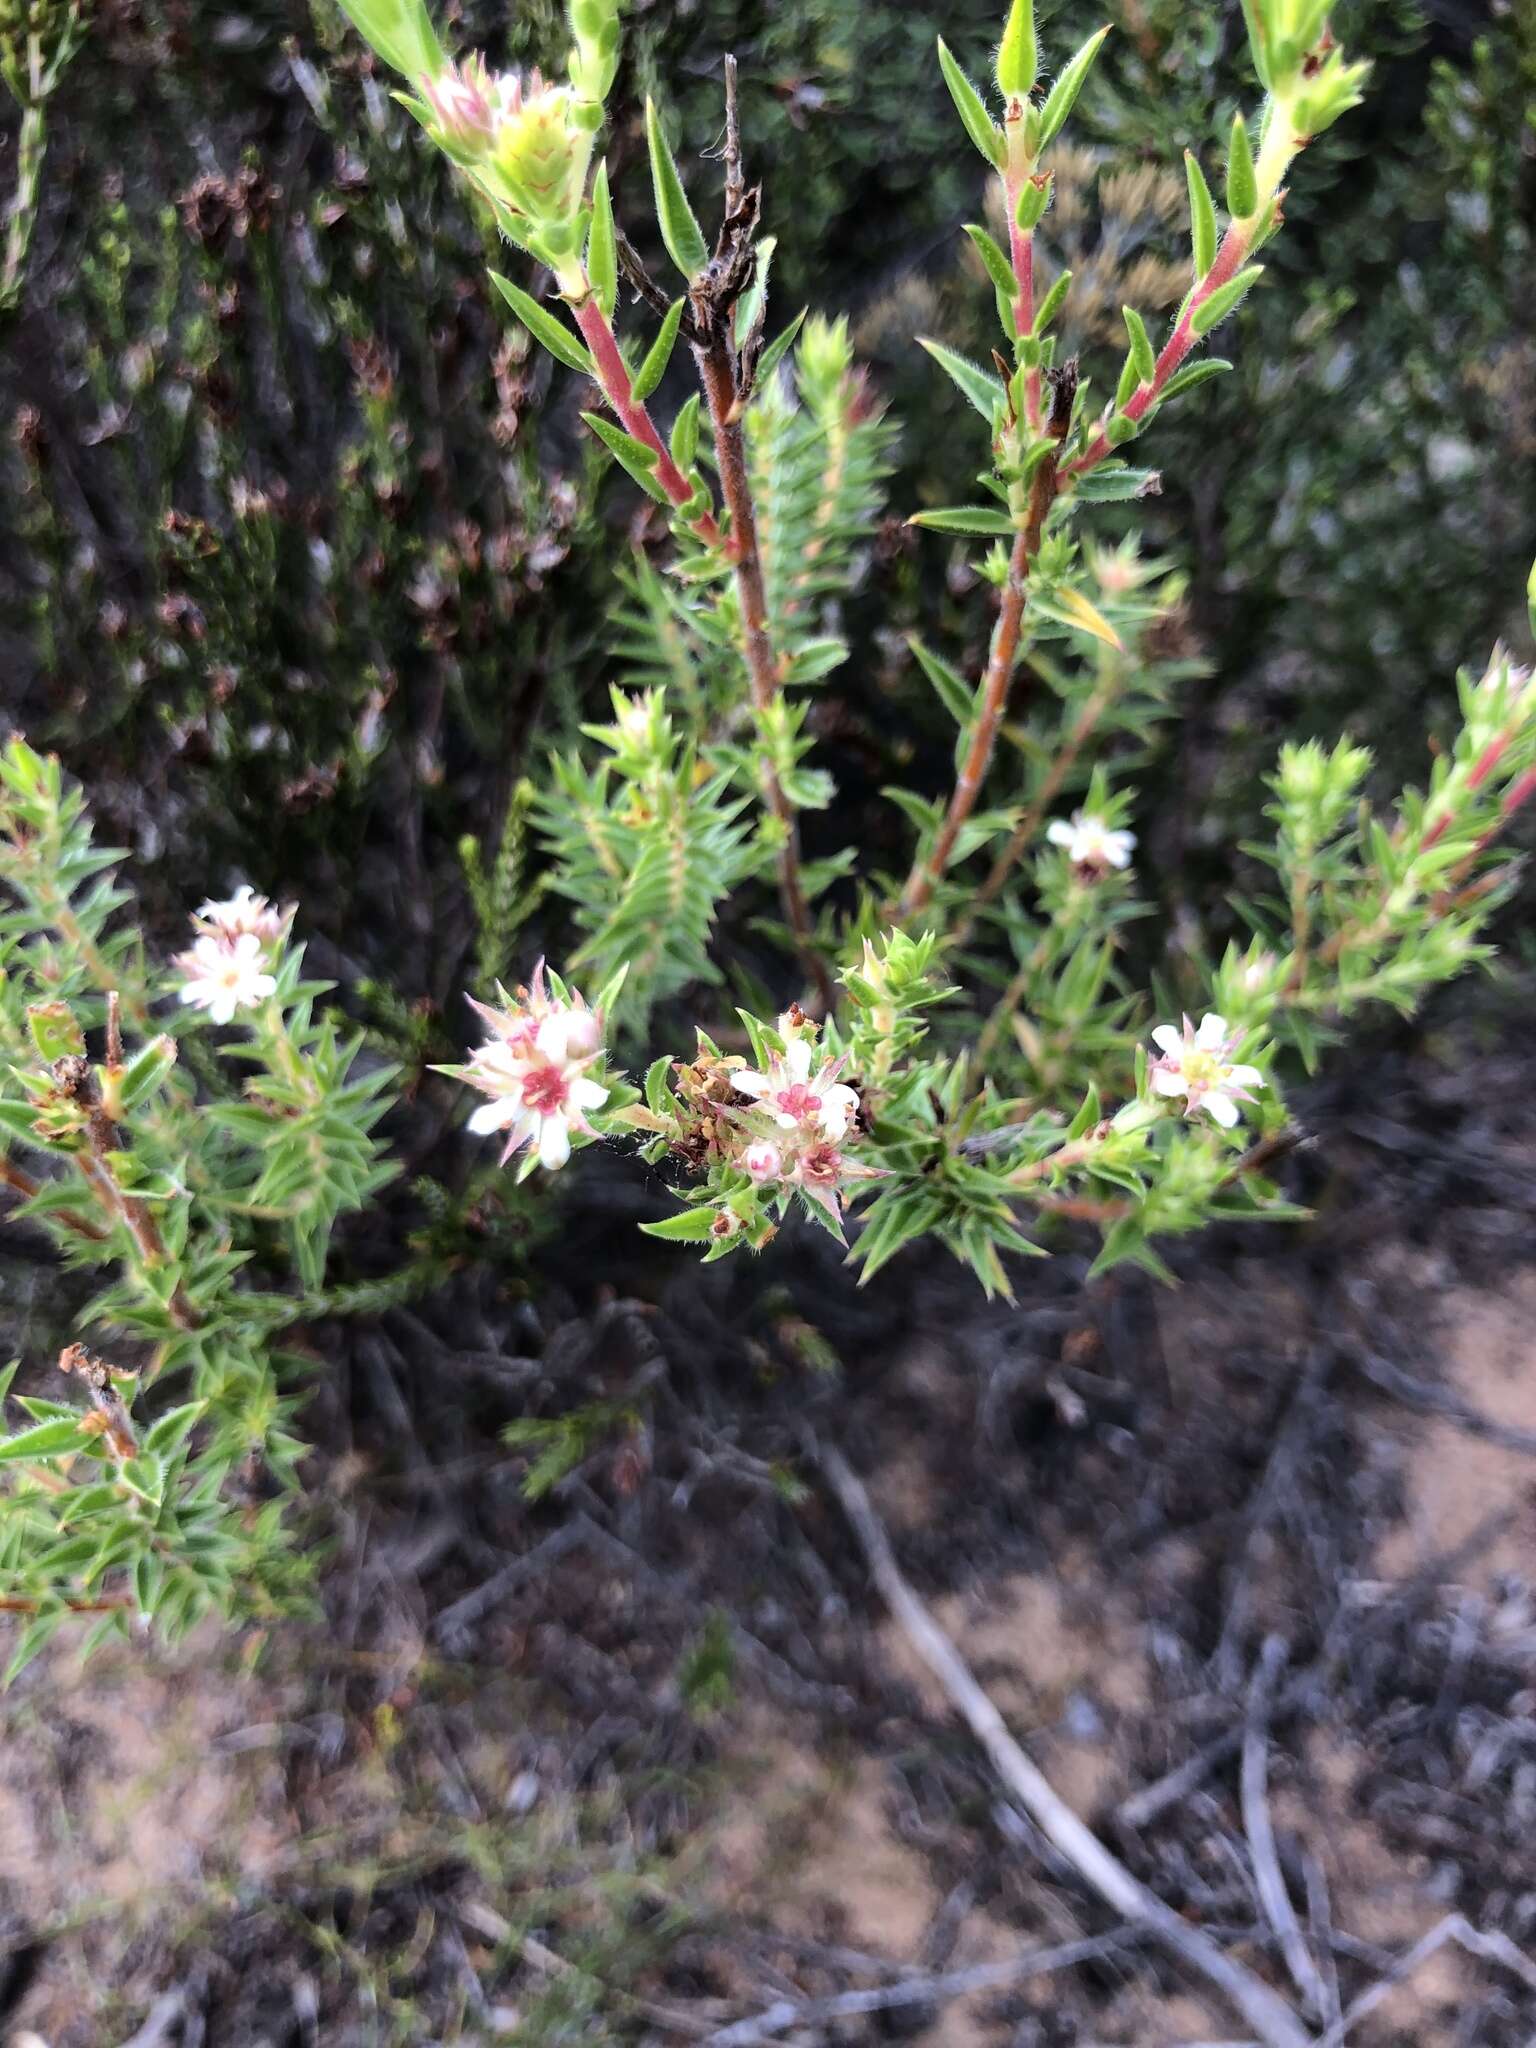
{"x":463,"y":100}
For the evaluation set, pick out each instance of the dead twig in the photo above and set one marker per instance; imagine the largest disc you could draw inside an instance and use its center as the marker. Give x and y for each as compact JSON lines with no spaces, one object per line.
{"x":1259,"y":1827}
{"x":1488,"y":1948}
{"x":1276,"y":2025}
{"x":1309,"y":1684}
{"x":924,"y":1989}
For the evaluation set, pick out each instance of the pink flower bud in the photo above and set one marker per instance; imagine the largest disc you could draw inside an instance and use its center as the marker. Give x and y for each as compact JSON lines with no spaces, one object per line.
{"x":583,"y":1034}
{"x":463,"y":103}
{"x":762,"y":1162}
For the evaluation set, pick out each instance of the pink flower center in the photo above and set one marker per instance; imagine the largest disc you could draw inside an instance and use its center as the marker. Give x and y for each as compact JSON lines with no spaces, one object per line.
{"x":544,"y":1090}
{"x":824,"y":1165}
{"x":798,"y":1101}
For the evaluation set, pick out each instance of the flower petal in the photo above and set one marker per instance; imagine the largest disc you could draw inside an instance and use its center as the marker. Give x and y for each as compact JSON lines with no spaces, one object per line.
{"x":553,"y":1037}
{"x":588,"y":1094}
{"x":1221,"y":1107}
{"x":1246,"y":1077}
{"x":554,"y":1142}
{"x":1168,"y":1037}
{"x":1168,"y":1081}
{"x":1212,"y":1032}
{"x":750,"y":1082}
{"x":1060,"y":833}
{"x":494,"y":1116}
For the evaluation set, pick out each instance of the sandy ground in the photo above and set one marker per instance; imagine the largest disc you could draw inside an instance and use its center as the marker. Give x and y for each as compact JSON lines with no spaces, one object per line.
{"x":154,"y":1793}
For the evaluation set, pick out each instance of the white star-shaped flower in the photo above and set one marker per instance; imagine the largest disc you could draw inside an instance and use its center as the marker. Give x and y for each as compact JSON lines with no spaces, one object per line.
{"x":796,"y":1098}
{"x":1196,"y":1065}
{"x":1090,"y":842}
{"x":225,"y":976}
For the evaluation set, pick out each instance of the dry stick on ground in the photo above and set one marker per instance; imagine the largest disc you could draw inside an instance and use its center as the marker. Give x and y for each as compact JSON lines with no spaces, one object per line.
{"x":1301,"y":1694}
{"x":1272,"y":2020}
{"x":921,"y":1990}
{"x":1268,"y":1877}
{"x":1489,"y":1948}
{"x":713,"y":302}
{"x":928,"y":869}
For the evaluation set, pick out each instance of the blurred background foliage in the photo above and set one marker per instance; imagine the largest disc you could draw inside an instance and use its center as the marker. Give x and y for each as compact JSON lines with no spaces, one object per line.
{"x":306,"y":561}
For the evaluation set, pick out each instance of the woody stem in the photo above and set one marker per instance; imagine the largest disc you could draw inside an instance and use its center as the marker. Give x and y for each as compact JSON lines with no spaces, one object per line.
{"x":928,"y":868}
{"x":719,"y":381}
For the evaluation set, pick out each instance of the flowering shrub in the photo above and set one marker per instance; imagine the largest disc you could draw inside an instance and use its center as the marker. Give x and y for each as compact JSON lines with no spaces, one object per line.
{"x":962,"y":1052}
{"x":193,"y":1165}
{"x":976,"y":1123}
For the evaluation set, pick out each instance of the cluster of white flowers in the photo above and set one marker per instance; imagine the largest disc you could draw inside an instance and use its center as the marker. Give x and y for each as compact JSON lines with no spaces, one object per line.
{"x":1197,"y":1065}
{"x":228,"y":966}
{"x":533,"y":1068}
{"x":1091,"y":843}
{"x":803,"y":1116}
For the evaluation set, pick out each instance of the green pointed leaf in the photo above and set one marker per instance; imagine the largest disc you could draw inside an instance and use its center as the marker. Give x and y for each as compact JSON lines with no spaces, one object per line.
{"x":659,"y":354}
{"x":146,"y":1072}
{"x":1050,"y":305}
{"x":1018,"y":55}
{"x":978,"y":123}
{"x":1063,"y":94}
{"x":964,"y":519}
{"x":1226,"y":299}
{"x":778,"y":348}
{"x":999,"y":269}
{"x":45,"y":1440}
{"x":55,"y":1033}
{"x":954,"y":693}
{"x":549,"y":332}
{"x":634,"y":456}
{"x":1258,"y":40}
{"x":983,"y":390}
{"x":602,"y":245}
{"x":689,"y":1226}
{"x":401,"y":31}
{"x":751,"y":305}
{"x":679,"y":230}
{"x":1141,"y":348}
{"x":685,"y":435}
{"x":172,"y":1430}
{"x":817,"y":658}
{"x":1034,"y":198}
{"x":1242,"y":184}
{"x":1112,"y":483}
{"x":1193,"y":374}
{"x":1202,"y":216}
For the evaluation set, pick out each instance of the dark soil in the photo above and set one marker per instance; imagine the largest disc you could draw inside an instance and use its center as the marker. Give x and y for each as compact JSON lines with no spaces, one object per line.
{"x":642,"y":1758}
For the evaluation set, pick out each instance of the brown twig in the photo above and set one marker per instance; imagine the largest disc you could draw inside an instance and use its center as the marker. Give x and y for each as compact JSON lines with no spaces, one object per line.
{"x":1029,"y":825}
{"x":19,"y":1603}
{"x":23,"y":1184}
{"x":713,"y":301}
{"x":1272,"y":2020}
{"x":74,"y":1077}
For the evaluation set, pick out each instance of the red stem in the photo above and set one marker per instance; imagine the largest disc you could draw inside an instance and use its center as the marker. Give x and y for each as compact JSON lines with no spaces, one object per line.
{"x":613,"y":376}
{"x":718,"y":379}
{"x":1021,"y":249}
{"x":926,"y":873}
{"x":1228,"y":260}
